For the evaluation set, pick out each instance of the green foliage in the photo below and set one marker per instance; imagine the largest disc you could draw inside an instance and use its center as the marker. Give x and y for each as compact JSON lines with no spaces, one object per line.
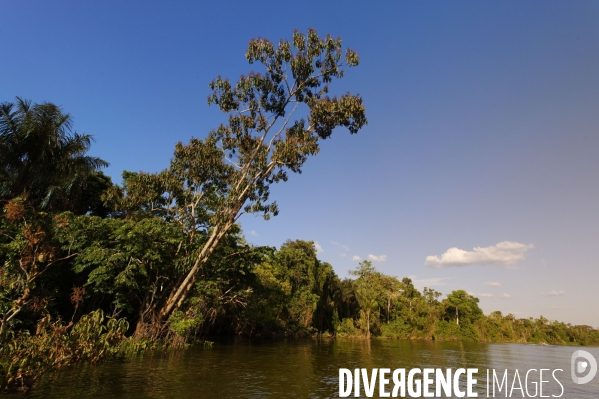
{"x":368,"y":289}
{"x":499,"y":328}
{"x":166,"y":251}
{"x":462,"y":307}
{"x":397,"y":329}
{"x":390,"y":308}
{"x":183,"y":324}
{"x":25,"y":357}
{"x":88,"y":200}
{"x":129,"y":261}
{"x":27,"y":251}
{"x":346,"y":328}
{"x":211,"y":182}
{"x":289,"y":286}
{"x":51,"y":175}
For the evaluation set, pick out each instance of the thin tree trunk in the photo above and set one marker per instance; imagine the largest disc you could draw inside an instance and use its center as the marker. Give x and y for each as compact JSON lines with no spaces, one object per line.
{"x":3,"y":328}
{"x":179,"y":295}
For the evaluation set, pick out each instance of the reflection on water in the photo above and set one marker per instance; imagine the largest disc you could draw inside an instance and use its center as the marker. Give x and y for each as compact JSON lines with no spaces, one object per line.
{"x":298,"y":369}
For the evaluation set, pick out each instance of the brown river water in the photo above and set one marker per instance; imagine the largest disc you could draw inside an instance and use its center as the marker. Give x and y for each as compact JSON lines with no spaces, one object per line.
{"x":308,"y":368}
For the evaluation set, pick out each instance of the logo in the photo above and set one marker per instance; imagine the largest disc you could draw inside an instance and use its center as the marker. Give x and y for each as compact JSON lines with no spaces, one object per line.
{"x":579,"y":366}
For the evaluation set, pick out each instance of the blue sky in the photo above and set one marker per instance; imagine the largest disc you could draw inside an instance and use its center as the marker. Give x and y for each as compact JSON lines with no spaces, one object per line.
{"x":483,"y":128}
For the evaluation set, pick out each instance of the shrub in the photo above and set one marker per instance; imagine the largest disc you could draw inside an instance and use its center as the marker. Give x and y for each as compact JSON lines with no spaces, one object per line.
{"x":346,"y":328}
{"x":397,"y":329}
{"x":25,"y":357}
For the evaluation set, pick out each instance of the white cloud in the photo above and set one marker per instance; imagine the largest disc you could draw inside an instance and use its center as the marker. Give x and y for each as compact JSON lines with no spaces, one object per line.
{"x":374,"y":258}
{"x":356,"y":258}
{"x":506,"y":296}
{"x":505,"y":253}
{"x":485,"y":295}
{"x":319,"y":249}
{"x":493,"y":284}
{"x":470,"y":293}
{"x":430,"y":282}
{"x":253,"y":233}
{"x":344,"y":247}
{"x":556,"y":293}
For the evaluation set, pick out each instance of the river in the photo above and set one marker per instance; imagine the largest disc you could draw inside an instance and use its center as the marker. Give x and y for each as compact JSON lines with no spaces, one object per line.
{"x":304,"y":369}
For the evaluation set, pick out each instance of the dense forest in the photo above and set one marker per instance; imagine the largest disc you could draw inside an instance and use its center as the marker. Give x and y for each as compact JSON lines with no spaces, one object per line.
{"x":91,"y":269}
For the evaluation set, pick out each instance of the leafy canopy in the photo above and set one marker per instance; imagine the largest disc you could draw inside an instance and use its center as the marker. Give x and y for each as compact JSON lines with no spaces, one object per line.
{"x":213,"y":181}
{"x":40,"y":158}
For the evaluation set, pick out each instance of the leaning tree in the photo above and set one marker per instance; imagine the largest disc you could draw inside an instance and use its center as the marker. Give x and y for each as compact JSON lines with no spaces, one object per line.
{"x":276,"y":120}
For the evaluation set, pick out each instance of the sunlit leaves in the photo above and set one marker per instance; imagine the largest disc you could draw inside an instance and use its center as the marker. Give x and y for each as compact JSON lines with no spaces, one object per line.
{"x":126,"y":259}
{"x":261,"y":139}
{"x":26,"y":357}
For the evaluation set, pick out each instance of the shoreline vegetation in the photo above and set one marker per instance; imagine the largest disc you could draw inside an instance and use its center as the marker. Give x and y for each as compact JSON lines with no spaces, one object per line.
{"x":94,"y":270}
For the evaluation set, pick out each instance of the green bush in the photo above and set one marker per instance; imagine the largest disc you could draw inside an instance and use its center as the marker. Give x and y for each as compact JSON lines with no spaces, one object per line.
{"x":397,"y":329}
{"x":346,"y":328}
{"x":25,"y":357}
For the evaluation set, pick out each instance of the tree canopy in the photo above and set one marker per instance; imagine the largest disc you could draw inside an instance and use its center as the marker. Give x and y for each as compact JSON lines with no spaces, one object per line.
{"x":212,"y":182}
{"x":41,"y":159}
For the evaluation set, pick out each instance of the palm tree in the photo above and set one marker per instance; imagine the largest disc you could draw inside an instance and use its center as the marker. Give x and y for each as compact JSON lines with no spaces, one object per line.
{"x":41,"y":159}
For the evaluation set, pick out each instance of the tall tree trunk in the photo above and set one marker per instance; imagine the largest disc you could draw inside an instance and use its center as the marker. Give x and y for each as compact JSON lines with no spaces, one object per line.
{"x":3,"y":325}
{"x":178,"y":295}
{"x":181,"y":291}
